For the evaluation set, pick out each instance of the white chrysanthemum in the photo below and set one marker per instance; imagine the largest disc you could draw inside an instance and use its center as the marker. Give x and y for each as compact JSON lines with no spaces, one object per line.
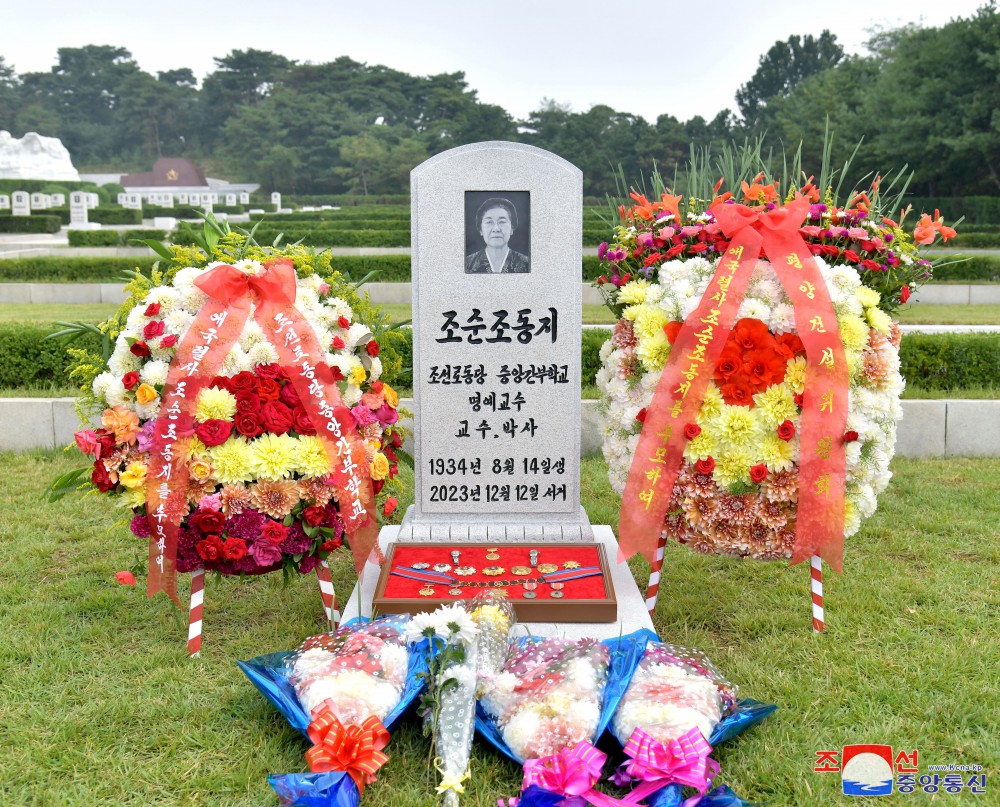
{"x":123,"y":360}
{"x":375,"y":371}
{"x":236,"y":361}
{"x":341,"y":307}
{"x":754,"y":309}
{"x":351,"y":395}
{"x":248,"y":267}
{"x":117,"y":395}
{"x":102,"y":383}
{"x":782,"y":319}
{"x":184,"y":279}
{"x":193,"y":298}
{"x":148,"y":411}
{"x":252,"y":335}
{"x":154,"y":373}
{"x":306,"y":299}
{"x":178,"y":321}
{"x":167,"y":297}
{"x":135,"y":321}
{"x":357,"y":334}
{"x":261,"y":353}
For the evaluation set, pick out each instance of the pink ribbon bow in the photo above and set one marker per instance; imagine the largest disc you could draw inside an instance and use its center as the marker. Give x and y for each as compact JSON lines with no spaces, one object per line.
{"x":571,"y":772}
{"x":684,"y":761}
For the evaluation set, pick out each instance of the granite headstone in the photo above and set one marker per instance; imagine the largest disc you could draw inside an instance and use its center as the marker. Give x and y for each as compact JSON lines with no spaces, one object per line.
{"x":20,"y":203}
{"x":4,"y":201}
{"x":230,"y":199}
{"x":39,"y":201}
{"x":497,"y":307}
{"x":244,"y":198}
{"x":276,"y":200}
{"x":77,"y":208}
{"x":207,"y":202}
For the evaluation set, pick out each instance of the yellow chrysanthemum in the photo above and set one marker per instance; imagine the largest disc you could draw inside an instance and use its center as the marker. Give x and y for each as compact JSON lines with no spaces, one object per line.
{"x":653,"y":350}
{"x":630,"y":312}
{"x":711,"y":405}
{"x":272,"y":456}
{"x":310,"y":457}
{"x":854,"y":332}
{"x":795,"y":374}
{"x":357,"y":376}
{"x":775,"y":405}
{"x":867,"y":297}
{"x":879,"y":320}
{"x":704,"y":445}
{"x":854,"y":362}
{"x":650,"y":321}
{"x":634,"y":292}
{"x":379,"y":466}
{"x":232,"y":462}
{"x":733,"y":466}
{"x":737,"y":427}
{"x":134,"y":476}
{"x":775,"y":453}
{"x":215,"y":403}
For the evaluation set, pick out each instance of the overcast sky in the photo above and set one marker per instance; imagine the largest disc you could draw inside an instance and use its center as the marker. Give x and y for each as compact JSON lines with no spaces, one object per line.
{"x":651,"y":58}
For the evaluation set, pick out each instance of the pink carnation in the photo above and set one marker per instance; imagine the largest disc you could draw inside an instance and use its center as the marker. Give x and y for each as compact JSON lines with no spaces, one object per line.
{"x":363,"y":416}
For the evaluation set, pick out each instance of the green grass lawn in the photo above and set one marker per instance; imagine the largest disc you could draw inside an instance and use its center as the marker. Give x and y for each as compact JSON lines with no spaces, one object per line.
{"x":100,"y":705}
{"x":948,"y":314}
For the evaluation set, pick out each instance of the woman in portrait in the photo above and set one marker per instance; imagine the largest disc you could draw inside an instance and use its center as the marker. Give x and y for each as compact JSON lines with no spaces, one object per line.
{"x":496,"y":221}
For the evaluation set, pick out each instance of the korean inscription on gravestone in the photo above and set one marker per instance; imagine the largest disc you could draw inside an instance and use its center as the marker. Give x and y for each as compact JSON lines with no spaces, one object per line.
{"x":20,"y":203}
{"x":497,"y":312}
{"x":77,"y":208}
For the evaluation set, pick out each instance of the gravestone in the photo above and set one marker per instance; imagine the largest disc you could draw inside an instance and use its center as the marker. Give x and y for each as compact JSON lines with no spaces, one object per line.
{"x":93,"y":200}
{"x":276,"y":200}
{"x":57,"y":200}
{"x":167,"y":200}
{"x":20,"y":203}
{"x":4,"y":201}
{"x":182,"y":198}
{"x":77,"y":208}
{"x":206,"y":202}
{"x":39,"y":201}
{"x":496,"y":354}
{"x":244,"y":198}
{"x":497,"y":312}
{"x":133,"y":201}
{"x":122,"y":197}
{"x":230,"y":199}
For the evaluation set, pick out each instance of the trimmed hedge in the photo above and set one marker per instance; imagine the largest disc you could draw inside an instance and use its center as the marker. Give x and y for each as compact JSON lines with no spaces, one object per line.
{"x":972,"y":269}
{"x":975,"y":240}
{"x":28,"y":359}
{"x":311,"y":235}
{"x":113,"y":238}
{"x":950,"y":361}
{"x":76,"y":269}
{"x":30,"y":224}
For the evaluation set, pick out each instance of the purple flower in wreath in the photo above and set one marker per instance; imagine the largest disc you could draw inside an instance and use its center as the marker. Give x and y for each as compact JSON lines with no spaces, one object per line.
{"x":247,"y":525}
{"x":140,"y":527}
{"x":308,"y":563}
{"x":296,"y":541}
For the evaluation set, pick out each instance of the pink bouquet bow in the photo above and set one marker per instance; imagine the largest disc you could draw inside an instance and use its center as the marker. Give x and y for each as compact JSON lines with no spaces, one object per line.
{"x":571,"y":772}
{"x":684,"y":761}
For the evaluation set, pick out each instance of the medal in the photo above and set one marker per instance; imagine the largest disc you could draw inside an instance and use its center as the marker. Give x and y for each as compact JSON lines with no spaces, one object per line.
{"x":571,"y":564}
{"x":455,"y":554}
{"x":455,"y":592}
{"x":493,"y":571}
{"x":548,"y":568}
{"x":493,"y":554}
{"x":465,"y":571}
{"x":420,"y":566}
{"x":520,"y":570}
{"x":426,"y":591}
{"x":442,"y":567}
{"x":557,"y":591}
{"x":529,"y":590}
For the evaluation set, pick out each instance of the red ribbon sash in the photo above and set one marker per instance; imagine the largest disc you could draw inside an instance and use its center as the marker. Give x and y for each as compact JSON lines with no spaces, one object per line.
{"x":690,"y":365}
{"x":199,"y":358}
{"x":357,"y":750}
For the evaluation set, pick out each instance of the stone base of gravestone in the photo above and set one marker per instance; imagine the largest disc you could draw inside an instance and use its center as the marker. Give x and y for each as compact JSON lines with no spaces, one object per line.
{"x":509,"y":528}
{"x":632,"y":613}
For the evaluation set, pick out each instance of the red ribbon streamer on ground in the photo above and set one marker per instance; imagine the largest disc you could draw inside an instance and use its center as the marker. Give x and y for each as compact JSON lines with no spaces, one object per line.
{"x":199,"y":358}
{"x":822,"y":464}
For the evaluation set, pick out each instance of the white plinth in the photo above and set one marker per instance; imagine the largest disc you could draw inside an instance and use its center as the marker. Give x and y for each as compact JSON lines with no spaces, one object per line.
{"x":632,"y":613}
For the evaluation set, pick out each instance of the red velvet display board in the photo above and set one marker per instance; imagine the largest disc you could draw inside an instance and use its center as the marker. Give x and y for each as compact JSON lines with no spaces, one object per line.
{"x":588,"y":599}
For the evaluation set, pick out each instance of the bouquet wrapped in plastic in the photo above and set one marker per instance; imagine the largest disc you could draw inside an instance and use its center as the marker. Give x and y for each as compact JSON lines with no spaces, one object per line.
{"x":676,"y":708}
{"x":344,"y":691}
{"x":448,"y":637}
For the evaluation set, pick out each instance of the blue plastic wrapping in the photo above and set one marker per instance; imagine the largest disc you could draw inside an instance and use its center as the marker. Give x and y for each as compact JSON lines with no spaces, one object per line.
{"x":335,"y":788}
{"x":748,"y":713}
{"x":722,"y":796}
{"x":626,"y":652}
{"x":270,"y":676}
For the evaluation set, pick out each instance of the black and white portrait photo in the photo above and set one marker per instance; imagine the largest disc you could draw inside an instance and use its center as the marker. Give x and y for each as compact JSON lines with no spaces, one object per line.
{"x":497,"y":232}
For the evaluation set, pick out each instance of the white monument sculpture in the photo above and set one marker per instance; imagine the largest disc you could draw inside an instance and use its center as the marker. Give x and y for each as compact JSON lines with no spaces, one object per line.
{"x":35,"y":157}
